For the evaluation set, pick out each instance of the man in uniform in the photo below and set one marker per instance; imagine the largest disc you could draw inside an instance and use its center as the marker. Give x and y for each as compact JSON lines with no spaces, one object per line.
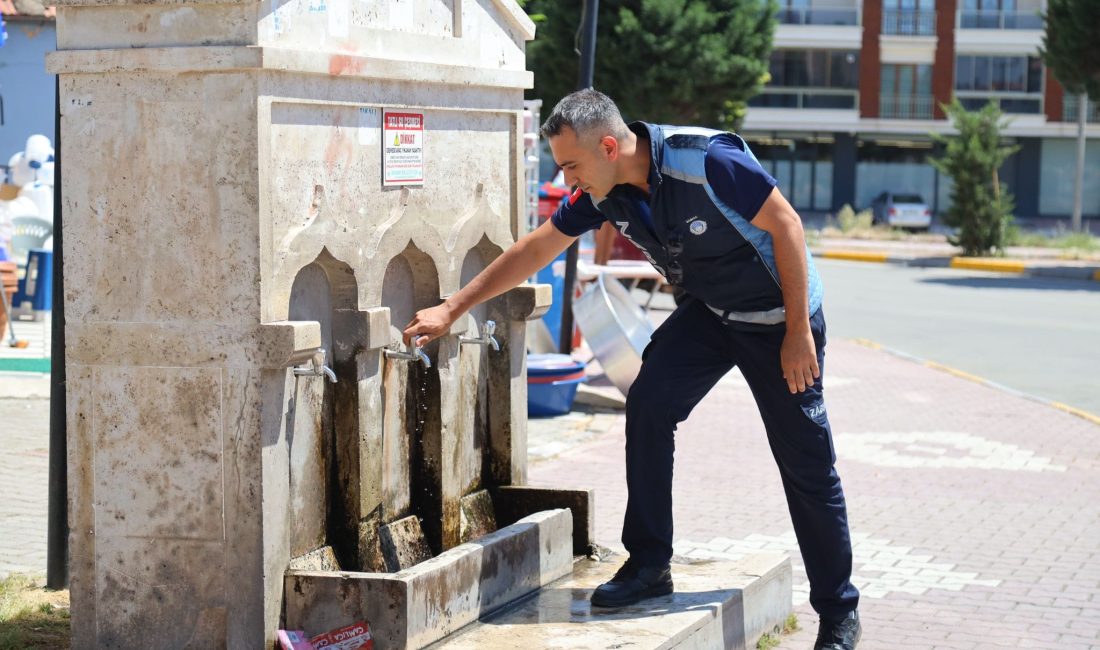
{"x":711,"y":220}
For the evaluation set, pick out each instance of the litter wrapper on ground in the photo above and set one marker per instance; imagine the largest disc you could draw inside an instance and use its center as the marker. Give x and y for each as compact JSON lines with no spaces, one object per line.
{"x":293,"y":640}
{"x":353,"y":637}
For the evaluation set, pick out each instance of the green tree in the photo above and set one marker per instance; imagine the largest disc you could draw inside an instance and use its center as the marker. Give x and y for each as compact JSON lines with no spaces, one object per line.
{"x":980,"y":209}
{"x":670,"y":61}
{"x":1071,"y":50}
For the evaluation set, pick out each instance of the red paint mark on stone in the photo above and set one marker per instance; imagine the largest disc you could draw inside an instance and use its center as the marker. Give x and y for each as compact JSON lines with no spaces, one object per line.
{"x":343,"y":64}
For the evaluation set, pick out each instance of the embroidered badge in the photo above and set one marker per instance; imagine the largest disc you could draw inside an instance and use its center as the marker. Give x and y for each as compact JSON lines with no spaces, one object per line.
{"x":697,"y":227}
{"x":816,"y":412}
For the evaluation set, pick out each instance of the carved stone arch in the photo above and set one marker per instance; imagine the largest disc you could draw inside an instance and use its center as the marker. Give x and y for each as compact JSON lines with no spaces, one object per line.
{"x":480,"y":222}
{"x":415,"y":235}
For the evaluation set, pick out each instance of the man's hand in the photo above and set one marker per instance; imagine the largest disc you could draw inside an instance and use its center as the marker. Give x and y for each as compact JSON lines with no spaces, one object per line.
{"x":429,"y":324}
{"x":798,"y":356}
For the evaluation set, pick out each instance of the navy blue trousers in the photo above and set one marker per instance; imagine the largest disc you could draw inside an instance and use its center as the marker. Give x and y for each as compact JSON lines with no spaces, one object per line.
{"x":687,"y":356}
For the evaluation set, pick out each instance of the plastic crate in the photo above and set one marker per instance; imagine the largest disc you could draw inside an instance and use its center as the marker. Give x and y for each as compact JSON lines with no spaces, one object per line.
{"x":552,"y":381}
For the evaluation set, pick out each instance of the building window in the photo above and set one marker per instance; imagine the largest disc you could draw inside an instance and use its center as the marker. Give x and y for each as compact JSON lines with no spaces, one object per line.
{"x":1056,"y":174}
{"x":1070,"y":104}
{"x":898,"y":166}
{"x":1015,"y":83}
{"x":804,"y":12}
{"x":1000,"y":14}
{"x":811,"y":79}
{"x":802,"y":165}
{"x":906,"y":92}
{"x":909,"y":17}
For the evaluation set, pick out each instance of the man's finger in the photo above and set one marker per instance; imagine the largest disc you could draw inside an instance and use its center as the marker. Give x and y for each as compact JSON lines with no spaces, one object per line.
{"x":808,"y":376}
{"x":815,"y":368}
{"x":410,"y":334}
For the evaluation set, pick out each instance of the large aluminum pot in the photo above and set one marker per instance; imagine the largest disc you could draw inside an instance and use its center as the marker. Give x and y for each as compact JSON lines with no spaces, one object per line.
{"x":615,"y":327}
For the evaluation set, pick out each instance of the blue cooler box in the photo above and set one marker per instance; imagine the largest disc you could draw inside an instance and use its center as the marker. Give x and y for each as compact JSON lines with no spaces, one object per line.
{"x":552,"y":383}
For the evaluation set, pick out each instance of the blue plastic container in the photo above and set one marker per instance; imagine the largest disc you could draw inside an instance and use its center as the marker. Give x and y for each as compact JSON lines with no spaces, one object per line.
{"x":36,"y":287}
{"x":552,"y":383}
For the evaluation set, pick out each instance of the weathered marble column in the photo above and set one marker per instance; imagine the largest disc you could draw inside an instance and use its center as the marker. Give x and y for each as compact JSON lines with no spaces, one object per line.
{"x":226,"y":216}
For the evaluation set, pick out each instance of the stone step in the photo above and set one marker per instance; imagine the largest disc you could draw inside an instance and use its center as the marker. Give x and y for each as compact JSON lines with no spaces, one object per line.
{"x":424,"y":603}
{"x":716,"y":606}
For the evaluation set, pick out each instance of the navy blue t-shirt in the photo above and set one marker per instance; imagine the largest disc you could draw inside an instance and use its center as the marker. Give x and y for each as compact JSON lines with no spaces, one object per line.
{"x":734,"y":175}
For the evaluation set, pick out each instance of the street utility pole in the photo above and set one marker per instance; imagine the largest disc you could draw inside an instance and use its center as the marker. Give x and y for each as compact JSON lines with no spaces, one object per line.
{"x":57,"y":532}
{"x":1079,"y":175}
{"x":584,"y":80}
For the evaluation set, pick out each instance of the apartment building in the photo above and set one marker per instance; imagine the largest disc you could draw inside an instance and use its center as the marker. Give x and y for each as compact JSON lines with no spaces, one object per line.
{"x":856,"y":89}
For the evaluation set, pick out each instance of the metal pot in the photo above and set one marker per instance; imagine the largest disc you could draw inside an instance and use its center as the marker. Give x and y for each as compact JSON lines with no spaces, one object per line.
{"x":615,"y":327}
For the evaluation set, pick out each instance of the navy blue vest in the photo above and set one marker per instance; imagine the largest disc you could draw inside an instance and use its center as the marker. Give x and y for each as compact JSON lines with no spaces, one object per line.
{"x":723,"y":260}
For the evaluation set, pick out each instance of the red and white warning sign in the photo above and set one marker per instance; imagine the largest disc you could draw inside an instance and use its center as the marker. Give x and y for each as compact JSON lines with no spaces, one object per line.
{"x":402,"y":149}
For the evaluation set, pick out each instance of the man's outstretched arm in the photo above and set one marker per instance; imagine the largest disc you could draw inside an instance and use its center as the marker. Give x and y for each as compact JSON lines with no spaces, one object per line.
{"x":531,"y":253}
{"x":798,"y":355}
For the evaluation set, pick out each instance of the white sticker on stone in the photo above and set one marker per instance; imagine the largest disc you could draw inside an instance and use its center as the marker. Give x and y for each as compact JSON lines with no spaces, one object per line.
{"x":879,"y":566}
{"x":168,"y":18}
{"x":276,"y":19}
{"x":370,"y":124}
{"x":939,"y":449}
{"x":401,"y":13}
{"x":339,"y":16}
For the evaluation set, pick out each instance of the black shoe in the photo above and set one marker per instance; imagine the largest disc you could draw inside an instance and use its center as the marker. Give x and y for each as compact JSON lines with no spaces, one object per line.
{"x":633,"y":583}
{"x":839,"y":635}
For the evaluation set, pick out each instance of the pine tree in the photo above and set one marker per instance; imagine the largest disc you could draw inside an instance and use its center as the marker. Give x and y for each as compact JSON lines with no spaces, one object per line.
{"x":981,"y":209}
{"x":670,"y":61}
{"x":1071,"y":50}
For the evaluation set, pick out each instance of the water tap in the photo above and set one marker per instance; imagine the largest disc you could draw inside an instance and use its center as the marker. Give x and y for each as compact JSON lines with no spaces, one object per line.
{"x":316,"y":367}
{"x":414,"y":354}
{"x":487,"y":329}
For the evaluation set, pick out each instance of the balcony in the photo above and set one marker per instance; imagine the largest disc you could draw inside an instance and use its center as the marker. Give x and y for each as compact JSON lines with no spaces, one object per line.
{"x":909,"y":23}
{"x":1000,"y":20}
{"x":822,"y":98}
{"x":906,"y":107}
{"x":1011,"y":104}
{"x":818,"y":16}
{"x":1070,"y":107}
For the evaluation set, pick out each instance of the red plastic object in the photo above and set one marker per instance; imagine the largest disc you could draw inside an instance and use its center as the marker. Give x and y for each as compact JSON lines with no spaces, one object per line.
{"x":293,"y":640}
{"x":622,"y":249}
{"x":353,"y":637}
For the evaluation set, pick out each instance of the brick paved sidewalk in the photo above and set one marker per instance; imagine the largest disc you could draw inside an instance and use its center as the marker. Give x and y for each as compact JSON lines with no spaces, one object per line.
{"x":974,"y":512}
{"x":24,"y":479}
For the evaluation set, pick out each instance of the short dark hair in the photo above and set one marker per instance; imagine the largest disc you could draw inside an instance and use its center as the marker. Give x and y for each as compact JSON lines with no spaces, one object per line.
{"x":588,"y":112}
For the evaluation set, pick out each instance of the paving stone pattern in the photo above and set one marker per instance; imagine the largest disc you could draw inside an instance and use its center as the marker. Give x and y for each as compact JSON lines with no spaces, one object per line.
{"x":975,"y":513}
{"x":24,"y":478}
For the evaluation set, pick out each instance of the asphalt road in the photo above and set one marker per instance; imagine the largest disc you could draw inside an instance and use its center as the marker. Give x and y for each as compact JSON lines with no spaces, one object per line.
{"x":1039,"y":336}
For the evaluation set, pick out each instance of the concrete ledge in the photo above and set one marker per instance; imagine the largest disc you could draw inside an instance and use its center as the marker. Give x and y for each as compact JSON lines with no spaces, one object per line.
{"x":514,"y":502}
{"x":422,"y":604}
{"x":987,"y":264}
{"x":854,"y":256}
{"x":224,"y":58}
{"x":993,"y":265}
{"x":716,"y":606}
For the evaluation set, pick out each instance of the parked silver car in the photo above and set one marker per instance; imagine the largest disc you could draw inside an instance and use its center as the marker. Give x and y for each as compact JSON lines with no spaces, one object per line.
{"x":901,"y":211}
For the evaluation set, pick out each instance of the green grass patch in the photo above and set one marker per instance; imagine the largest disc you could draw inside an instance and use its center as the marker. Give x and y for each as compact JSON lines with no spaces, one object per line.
{"x":24,"y":364}
{"x":1072,"y":245}
{"x":31,"y":616}
{"x":772,"y":639}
